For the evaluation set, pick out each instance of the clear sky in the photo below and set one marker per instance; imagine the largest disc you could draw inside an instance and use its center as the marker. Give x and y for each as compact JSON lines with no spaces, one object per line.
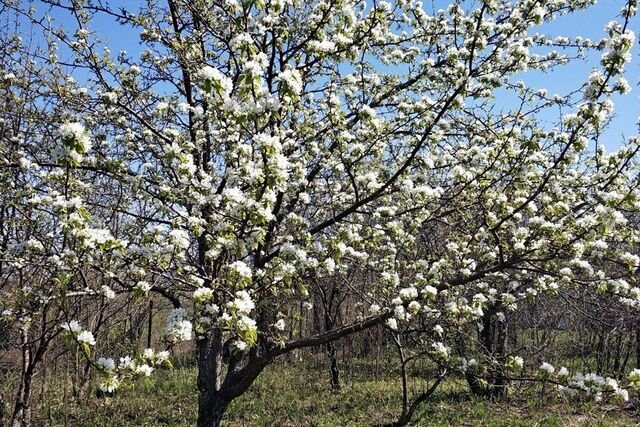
{"x":589,"y":23}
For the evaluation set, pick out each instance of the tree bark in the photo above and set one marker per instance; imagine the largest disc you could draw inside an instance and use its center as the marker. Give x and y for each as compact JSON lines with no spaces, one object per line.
{"x":21,"y":416}
{"x":493,"y":338}
{"x":476,"y":387}
{"x":1,"y":412}
{"x":150,"y":324}
{"x":329,"y":321}
{"x":335,"y":372}
{"x":211,"y":406}
{"x":499,"y":380}
{"x":211,"y":409}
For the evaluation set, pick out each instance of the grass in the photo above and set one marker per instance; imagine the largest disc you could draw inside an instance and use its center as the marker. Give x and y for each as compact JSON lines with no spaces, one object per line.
{"x":299,"y":395}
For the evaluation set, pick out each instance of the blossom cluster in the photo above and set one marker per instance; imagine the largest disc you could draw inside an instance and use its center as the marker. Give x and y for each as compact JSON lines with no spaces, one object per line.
{"x":129,"y":368}
{"x":82,"y":336}
{"x":75,"y":141}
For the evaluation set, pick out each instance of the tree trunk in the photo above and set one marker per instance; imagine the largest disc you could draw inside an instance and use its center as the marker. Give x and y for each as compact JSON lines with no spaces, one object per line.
{"x":493,"y":338}
{"x":22,"y":412}
{"x":150,"y":324}
{"x":335,"y":372}
{"x":21,"y":416}
{"x":499,"y":382}
{"x":329,"y":323}
{"x":476,"y":387}
{"x":211,"y":409}
{"x":486,"y":340}
{"x":211,"y":405}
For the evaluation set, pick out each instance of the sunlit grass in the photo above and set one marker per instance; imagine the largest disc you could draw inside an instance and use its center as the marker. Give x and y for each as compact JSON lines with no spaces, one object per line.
{"x":300,"y":395}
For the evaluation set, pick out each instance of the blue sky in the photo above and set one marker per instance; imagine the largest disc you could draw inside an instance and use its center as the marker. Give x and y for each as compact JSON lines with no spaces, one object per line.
{"x":589,"y":23}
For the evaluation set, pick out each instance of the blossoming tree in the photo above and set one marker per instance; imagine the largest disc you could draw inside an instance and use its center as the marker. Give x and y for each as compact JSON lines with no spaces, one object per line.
{"x":256,"y":144}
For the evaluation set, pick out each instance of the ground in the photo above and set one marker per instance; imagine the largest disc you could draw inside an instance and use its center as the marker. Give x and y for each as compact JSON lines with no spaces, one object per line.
{"x":296,"y":394}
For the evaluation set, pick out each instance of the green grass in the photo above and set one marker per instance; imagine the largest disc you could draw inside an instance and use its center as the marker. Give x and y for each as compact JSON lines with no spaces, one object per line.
{"x":295,"y":395}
